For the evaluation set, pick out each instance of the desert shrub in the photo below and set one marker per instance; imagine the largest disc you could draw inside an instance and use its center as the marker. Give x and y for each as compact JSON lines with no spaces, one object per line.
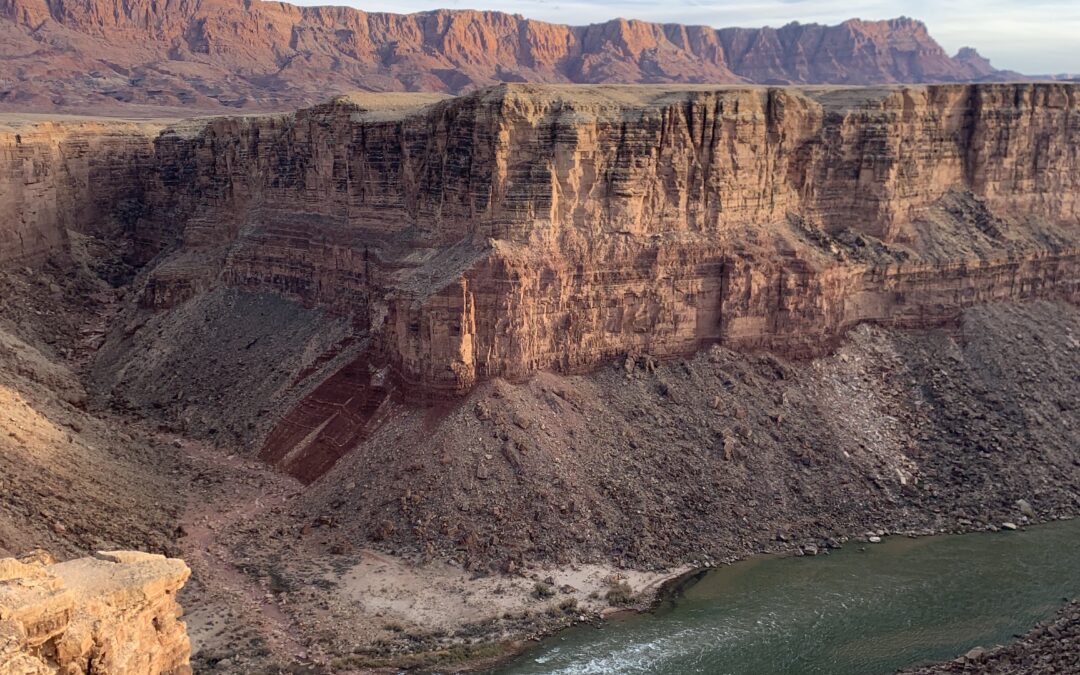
{"x":620,"y":594}
{"x":543,"y":591}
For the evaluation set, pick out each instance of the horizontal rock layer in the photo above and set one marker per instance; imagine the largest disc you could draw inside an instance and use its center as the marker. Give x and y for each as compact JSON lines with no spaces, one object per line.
{"x":525,"y":228}
{"x":58,"y":175}
{"x":113,"y":614}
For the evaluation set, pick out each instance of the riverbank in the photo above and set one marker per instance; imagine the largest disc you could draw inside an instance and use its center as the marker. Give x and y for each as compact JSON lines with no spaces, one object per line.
{"x":254,"y":612}
{"x":701,"y":462}
{"x":581,"y":605}
{"x":473,"y":623}
{"x":1051,"y":648}
{"x":866,"y":609}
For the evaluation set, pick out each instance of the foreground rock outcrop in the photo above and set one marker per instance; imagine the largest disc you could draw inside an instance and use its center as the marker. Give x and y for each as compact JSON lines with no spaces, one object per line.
{"x":227,"y":54}
{"x":113,"y":614}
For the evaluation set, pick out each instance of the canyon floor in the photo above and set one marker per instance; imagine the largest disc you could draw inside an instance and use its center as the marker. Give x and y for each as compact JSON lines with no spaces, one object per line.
{"x":677,"y":463}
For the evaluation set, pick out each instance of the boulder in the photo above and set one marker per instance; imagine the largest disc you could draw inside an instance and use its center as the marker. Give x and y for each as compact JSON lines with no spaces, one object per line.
{"x":1025,"y":508}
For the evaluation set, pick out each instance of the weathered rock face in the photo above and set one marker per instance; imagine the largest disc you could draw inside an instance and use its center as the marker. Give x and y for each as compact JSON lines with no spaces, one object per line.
{"x":527,"y":228}
{"x":228,"y":54}
{"x":58,"y":176}
{"x":113,"y":614}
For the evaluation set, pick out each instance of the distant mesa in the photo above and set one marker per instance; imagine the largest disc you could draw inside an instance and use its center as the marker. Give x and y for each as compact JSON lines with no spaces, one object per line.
{"x":222,"y":55}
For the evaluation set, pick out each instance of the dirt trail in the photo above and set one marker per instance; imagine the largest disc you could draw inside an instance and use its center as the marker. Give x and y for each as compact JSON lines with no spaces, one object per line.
{"x":211,"y":514}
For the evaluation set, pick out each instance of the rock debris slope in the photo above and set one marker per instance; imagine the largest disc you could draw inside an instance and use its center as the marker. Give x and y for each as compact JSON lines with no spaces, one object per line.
{"x":228,"y":54}
{"x":1048,"y":649}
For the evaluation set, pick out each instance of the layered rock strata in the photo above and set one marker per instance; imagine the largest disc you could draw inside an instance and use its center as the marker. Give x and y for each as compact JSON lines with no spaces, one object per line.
{"x":78,"y":175}
{"x":112,"y":614}
{"x":525,"y":228}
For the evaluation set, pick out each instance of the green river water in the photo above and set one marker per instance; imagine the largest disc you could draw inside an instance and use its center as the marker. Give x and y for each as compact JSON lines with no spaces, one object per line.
{"x":896,"y":604}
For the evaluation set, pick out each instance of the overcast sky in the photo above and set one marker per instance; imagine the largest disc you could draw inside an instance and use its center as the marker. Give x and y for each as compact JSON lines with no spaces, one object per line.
{"x":1031,"y":36}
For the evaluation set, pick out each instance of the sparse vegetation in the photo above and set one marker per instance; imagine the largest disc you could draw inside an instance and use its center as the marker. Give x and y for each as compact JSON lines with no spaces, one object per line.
{"x":620,"y":594}
{"x":441,"y":657}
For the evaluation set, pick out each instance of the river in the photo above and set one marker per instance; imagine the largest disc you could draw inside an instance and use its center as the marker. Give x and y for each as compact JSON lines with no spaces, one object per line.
{"x":865,"y":609}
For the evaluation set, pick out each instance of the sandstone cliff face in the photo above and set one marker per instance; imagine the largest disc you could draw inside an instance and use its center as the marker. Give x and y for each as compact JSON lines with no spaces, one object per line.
{"x":526,"y":228}
{"x":113,"y":614}
{"x":232,"y":54}
{"x":57,"y":176}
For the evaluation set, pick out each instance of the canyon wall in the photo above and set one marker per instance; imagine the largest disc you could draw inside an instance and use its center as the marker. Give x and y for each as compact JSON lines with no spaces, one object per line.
{"x":532,"y":227}
{"x":57,"y":176}
{"x":113,"y":614}
{"x":536,"y":227}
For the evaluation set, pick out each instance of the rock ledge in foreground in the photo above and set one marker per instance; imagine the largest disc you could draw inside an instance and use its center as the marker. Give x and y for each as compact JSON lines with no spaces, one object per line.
{"x":111,"y":614}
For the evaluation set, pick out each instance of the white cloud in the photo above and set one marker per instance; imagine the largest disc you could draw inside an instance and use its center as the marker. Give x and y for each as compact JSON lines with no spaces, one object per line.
{"x":1032,"y":36}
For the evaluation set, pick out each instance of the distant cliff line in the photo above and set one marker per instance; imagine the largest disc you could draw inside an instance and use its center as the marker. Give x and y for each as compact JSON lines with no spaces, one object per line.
{"x":248,"y":54}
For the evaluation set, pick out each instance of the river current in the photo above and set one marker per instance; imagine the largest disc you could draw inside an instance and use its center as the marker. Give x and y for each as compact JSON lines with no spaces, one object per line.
{"x":865,"y":609}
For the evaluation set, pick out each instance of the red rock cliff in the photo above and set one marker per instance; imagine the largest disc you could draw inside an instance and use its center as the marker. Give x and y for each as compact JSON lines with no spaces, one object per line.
{"x":530,"y":227}
{"x":216,"y":54}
